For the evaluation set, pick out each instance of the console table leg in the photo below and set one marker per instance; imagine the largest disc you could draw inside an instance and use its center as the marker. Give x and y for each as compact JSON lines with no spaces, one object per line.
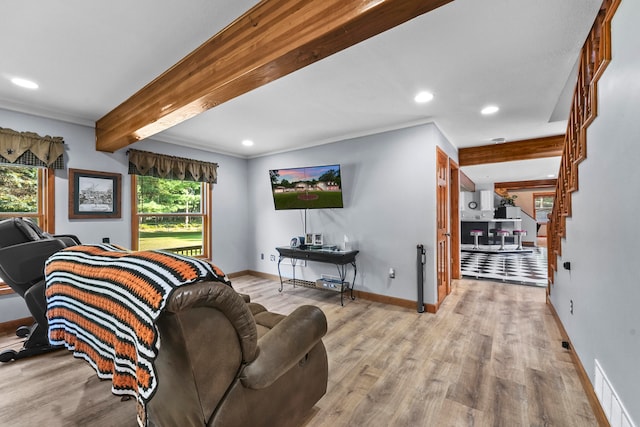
{"x":355,"y":273}
{"x":342,"y":272}
{"x":293,"y":269}
{"x":280,"y":275}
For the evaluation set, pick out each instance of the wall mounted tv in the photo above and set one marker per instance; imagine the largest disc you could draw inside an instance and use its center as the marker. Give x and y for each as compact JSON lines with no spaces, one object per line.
{"x":315,"y":187}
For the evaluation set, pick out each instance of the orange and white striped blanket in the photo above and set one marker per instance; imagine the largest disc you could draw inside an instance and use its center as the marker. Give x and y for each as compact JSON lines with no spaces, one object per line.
{"x":103,"y":302}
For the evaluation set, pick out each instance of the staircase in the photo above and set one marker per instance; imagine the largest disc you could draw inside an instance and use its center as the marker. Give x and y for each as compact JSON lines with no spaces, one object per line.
{"x":594,"y":58}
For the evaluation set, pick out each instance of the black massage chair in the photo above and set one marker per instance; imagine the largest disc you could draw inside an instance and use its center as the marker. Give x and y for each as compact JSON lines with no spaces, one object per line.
{"x":24,"y":248}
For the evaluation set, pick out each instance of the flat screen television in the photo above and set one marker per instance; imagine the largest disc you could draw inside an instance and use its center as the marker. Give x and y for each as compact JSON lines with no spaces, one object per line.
{"x":314,"y":187}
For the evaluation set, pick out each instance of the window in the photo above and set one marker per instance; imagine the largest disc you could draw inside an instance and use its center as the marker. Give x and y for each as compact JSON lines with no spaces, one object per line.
{"x":543,"y":205}
{"x":26,"y":191}
{"x":171,"y":215}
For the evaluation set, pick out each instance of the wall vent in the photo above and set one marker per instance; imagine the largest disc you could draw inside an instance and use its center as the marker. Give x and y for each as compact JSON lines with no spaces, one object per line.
{"x":609,"y":400}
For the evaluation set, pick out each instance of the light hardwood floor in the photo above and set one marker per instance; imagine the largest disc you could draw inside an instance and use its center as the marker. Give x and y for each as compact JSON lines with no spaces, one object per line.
{"x":491,"y":356}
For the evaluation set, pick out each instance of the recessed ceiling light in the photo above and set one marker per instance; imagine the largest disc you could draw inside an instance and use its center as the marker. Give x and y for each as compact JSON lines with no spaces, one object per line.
{"x":247,"y":143}
{"x":551,"y":175}
{"x":423,"y":97}
{"x":24,"y":83}
{"x":490,"y":109}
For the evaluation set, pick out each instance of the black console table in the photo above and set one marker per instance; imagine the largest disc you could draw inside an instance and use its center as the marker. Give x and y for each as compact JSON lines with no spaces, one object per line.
{"x":341,"y":259}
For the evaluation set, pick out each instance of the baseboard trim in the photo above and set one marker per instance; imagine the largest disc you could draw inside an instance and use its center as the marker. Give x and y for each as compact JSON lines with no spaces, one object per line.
{"x":400,"y":302}
{"x":11,"y":325}
{"x":5,"y":289}
{"x":582,"y":373}
{"x":368,"y":296}
{"x":262,"y":275}
{"x":239,"y":273}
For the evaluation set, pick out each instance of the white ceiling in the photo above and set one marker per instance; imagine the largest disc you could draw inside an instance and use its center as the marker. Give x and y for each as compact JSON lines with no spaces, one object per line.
{"x":88,"y":57}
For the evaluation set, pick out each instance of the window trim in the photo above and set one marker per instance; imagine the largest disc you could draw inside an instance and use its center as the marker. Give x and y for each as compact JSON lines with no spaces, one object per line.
{"x":206,"y":217}
{"x":535,"y":196}
{"x":46,"y":210}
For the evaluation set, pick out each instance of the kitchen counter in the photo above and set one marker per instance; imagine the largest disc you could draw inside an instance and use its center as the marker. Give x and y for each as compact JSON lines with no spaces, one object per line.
{"x":490,"y":219}
{"x":488,"y":227}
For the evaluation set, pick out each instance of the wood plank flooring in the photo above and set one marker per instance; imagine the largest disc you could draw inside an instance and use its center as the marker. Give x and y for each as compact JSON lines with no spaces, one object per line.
{"x":491,"y":356}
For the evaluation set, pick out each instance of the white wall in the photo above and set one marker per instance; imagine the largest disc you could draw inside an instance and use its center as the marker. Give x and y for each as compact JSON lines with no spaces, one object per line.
{"x":602,"y":241}
{"x":388,"y":184}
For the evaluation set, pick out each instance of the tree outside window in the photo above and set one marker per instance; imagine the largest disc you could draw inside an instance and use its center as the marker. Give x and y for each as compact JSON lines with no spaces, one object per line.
{"x":171,"y":215}
{"x":24,"y":192}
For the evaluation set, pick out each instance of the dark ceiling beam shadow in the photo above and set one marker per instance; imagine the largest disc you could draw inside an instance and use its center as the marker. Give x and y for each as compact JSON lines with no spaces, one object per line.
{"x":271,"y":40}
{"x":528,"y":149}
{"x":525,"y":185}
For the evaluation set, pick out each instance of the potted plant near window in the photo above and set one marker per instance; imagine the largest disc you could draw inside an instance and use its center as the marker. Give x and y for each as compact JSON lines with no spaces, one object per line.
{"x":508,"y":200}
{"x":508,"y":208}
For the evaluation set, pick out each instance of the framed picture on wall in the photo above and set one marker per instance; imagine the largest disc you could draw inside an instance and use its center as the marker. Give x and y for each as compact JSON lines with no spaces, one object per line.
{"x":94,"y":194}
{"x":317,"y":239}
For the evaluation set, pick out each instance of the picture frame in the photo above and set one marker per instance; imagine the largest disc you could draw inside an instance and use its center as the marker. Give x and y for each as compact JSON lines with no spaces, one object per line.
{"x":317,"y":239}
{"x":94,"y":194}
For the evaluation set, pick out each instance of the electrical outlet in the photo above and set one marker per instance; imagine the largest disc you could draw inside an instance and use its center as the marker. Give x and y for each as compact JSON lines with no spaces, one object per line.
{"x":272,"y":257}
{"x":261,"y":256}
{"x":571,"y":306}
{"x":392,"y":273}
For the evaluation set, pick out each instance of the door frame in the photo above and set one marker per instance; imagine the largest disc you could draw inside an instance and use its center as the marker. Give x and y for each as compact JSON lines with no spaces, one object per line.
{"x":454,"y":221}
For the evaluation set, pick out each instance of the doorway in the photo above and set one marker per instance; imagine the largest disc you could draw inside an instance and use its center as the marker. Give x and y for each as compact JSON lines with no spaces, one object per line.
{"x":542,"y":207}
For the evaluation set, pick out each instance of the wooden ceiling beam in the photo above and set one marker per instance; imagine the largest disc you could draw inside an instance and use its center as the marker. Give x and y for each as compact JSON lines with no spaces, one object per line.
{"x":528,"y":149}
{"x":466,"y":184}
{"x":271,"y":40}
{"x":525,"y":185}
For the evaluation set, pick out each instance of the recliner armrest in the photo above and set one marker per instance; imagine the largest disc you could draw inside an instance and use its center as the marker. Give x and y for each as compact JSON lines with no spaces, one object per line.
{"x":24,"y":263}
{"x":284,"y":346}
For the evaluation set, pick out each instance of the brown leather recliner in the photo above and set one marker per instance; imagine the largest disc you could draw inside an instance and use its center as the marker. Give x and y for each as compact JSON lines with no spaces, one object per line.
{"x":227,"y":362}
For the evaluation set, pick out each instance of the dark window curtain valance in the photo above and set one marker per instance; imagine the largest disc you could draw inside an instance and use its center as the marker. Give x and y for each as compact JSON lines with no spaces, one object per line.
{"x":31,"y":149}
{"x":170,"y":167}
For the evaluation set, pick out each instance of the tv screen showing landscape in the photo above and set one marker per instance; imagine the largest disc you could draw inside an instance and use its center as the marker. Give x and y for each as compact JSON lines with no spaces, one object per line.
{"x":316,"y":187}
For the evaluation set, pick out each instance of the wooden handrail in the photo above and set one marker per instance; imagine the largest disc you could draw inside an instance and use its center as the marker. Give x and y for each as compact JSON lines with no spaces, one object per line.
{"x":594,"y":58}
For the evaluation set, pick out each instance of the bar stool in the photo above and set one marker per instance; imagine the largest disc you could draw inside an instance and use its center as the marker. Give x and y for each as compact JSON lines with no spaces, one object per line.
{"x":476,"y":234}
{"x":502,"y":234}
{"x":519,"y":233}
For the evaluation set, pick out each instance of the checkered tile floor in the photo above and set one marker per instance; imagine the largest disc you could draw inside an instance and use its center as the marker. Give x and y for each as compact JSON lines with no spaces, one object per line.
{"x":528,"y":269}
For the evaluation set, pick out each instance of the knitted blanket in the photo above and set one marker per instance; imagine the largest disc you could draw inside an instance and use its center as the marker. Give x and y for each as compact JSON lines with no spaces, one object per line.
{"x":103,"y":302}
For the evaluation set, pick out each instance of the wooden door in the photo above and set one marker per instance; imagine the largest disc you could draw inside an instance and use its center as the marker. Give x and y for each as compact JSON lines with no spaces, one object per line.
{"x":442,"y":230}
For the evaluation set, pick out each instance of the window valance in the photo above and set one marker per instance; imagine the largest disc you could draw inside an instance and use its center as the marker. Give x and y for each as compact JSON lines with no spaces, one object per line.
{"x":28,"y":148}
{"x":170,"y":167}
